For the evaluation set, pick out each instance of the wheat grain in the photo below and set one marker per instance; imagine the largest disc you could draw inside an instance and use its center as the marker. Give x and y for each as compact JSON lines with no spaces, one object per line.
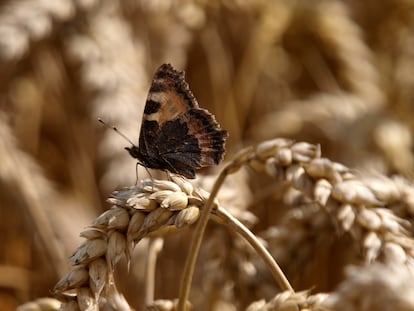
{"x":355,"y":57}
{"x":40,"y":304}
{"x":396,"y":141}
{"x":165,"y":305}
{"x":28,"y":21}
{"x":361,"y":207}
{"x":376,"y":287}
{"x":116,"y":231}
{"x":287,"y":301}
{"x":338,"y":73}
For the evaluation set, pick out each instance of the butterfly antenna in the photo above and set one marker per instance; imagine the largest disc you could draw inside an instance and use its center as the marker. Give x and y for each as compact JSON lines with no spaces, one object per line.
{"x":116,"y":130}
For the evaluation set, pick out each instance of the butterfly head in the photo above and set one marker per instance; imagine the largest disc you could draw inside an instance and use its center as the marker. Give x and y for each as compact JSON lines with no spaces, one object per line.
{"x":134,"y":151}
{"x":142,"y":159}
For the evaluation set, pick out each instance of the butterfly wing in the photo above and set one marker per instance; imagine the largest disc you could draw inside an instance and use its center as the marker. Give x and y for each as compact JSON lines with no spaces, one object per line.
{"x":168,"y":97}
{"x":191,"y":141}
{"x":177,"y":135}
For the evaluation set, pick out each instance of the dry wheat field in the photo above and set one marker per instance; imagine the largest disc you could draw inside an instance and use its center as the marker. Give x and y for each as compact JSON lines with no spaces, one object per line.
{"x":312,"y":207}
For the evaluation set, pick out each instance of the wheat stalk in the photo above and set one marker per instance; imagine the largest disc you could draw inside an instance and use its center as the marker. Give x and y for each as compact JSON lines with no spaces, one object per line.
{"x":24,"y":22}
{"x":376,"y":287}
{"x":362,"y":207}
{"x":153,"y":208}
{"x":25,"y":179}
{"x":159,"y":207}
{"x":334,"y":72}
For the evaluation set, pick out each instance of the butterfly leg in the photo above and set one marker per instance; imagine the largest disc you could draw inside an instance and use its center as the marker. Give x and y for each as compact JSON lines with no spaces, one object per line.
{"x":149,"y":174}
{"x":136,"y":173}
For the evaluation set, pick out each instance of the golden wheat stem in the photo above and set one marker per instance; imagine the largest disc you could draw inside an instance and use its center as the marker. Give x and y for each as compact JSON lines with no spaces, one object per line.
{"x":154,"y":247}
{"x":241,"y":229}
{"x":196,"y":241}
{"x":190,"y":262}
{"x":196,"y":244}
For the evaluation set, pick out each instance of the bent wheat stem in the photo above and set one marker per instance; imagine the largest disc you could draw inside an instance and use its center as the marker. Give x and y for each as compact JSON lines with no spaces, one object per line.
{"x":189,"y":267}
{"x":241,"y":229}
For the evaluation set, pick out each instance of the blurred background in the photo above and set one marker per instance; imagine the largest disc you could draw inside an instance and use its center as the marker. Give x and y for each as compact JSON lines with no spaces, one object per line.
{"x":334,"y":73}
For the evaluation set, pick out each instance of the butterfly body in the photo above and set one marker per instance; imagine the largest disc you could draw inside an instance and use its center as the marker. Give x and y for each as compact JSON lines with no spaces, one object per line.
{"x":176,"y":135}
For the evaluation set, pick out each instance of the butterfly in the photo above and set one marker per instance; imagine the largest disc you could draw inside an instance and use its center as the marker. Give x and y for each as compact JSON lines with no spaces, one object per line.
{"x":176,"y":134}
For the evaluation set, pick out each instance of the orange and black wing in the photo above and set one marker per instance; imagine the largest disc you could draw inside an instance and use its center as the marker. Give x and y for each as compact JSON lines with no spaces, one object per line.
{"x":176,"y":135}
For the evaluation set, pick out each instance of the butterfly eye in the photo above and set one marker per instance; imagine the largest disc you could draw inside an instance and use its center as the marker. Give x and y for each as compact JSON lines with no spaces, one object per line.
{"x":133,"y":151}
